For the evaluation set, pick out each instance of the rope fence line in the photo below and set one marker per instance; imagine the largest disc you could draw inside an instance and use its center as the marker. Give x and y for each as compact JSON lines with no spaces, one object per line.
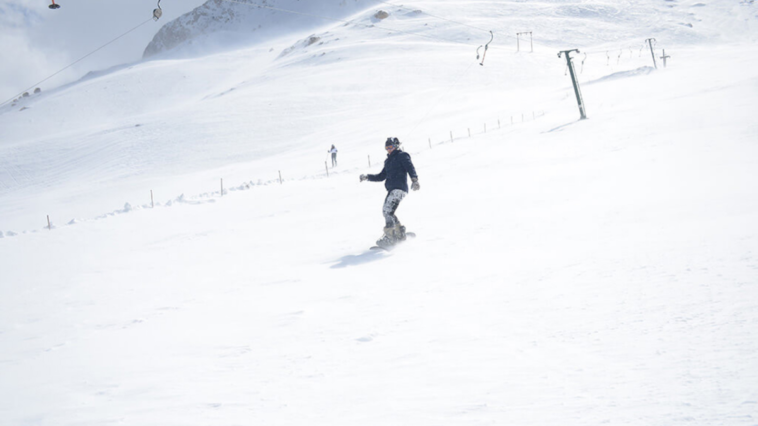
{"x":457,"y":137}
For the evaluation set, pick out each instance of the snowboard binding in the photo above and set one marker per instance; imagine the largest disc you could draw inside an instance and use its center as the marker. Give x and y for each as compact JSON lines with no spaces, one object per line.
{"x":392,"y":236}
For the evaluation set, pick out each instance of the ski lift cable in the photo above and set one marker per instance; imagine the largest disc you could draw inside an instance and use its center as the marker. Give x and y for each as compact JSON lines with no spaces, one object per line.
{"x":76,"y":61}
{"x":343,"y":21}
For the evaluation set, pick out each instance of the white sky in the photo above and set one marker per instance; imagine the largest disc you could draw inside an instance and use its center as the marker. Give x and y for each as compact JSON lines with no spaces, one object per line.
{"x":36,"y":42}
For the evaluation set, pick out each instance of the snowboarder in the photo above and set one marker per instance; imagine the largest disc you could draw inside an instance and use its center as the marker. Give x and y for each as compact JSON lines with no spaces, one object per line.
{"x":333,"y":151}
{"x":394,"y":174}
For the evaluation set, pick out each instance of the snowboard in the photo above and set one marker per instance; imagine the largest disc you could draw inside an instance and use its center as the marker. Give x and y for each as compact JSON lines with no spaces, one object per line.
{"x":407,"y":236}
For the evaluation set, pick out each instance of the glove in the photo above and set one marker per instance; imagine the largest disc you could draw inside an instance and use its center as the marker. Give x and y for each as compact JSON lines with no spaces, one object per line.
{"x":415,"y":185}
{"x":364,"y":177}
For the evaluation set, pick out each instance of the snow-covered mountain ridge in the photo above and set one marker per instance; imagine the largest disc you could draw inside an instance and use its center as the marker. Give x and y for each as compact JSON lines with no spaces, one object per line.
{"x":232,"y":23}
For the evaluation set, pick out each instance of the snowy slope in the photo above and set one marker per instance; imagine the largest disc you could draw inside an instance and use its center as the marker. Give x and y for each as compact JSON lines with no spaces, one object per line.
{"x":137,"y":128}
{"x":566,"y":272}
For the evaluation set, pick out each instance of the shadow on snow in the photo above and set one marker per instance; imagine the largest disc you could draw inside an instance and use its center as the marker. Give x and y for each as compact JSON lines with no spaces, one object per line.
{"x":355,"y":260}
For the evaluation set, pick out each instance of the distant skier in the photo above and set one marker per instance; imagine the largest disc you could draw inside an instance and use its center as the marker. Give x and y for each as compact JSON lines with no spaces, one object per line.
{"x":333,"y":151}
{"x":396,"y":168}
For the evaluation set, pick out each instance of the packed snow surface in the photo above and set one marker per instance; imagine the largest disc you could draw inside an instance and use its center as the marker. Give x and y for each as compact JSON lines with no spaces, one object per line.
{"x":566,"y":271}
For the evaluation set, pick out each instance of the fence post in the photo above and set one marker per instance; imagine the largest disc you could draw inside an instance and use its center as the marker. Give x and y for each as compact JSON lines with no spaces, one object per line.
{"x":469,"y":132}
{"x":451,"y":136}
{"x":369,"y":161}
{"x":498,"y":123}
{"x":280,"y":177}
{"x":430,"y":143}
{"x":485,"y":127}
{"x":222,"y":187}
{"x":327,"y":168}
{"x":49,"y":227}
{"x":152,"y":202}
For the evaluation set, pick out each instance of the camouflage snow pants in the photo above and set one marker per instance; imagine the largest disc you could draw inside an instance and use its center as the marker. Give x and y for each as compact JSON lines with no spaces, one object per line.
{"x":393,"y":200}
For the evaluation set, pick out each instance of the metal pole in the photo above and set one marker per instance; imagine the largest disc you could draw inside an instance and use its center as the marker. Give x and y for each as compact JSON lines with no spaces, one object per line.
{"x":652,"y":53}
{"x":664,"y":57}
{"x":531,"y":43}
{"x":577,"y":92}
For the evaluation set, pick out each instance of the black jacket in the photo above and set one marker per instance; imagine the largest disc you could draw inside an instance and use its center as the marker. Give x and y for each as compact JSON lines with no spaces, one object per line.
{"x":396,"y":168}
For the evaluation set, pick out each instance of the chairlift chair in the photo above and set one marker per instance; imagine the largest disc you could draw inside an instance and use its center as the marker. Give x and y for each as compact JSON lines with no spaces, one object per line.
{"x":157,"y":13}
{"x":54,"y":6}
